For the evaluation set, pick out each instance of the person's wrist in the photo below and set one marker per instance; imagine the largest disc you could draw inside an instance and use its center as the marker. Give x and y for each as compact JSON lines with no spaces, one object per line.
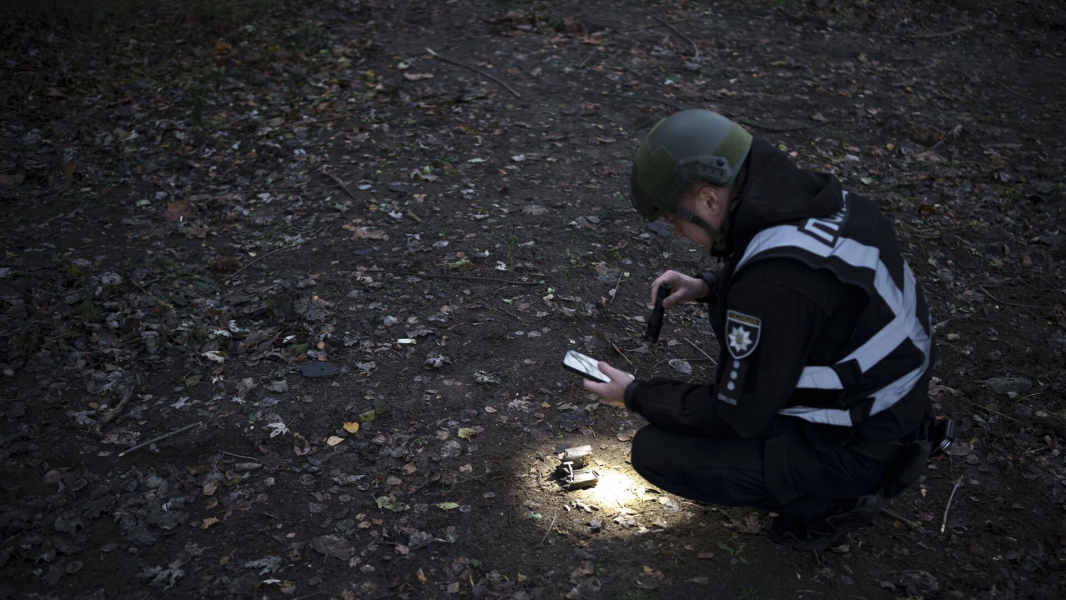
{"x":629,"y":397}
{"x":705,"y":289}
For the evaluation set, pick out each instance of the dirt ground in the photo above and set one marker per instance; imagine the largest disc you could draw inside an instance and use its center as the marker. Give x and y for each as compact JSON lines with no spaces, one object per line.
{"x":357,"y":265}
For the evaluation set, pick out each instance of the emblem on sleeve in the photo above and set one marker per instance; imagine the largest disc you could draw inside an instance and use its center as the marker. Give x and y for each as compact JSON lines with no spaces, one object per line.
{"x":742,"y":334}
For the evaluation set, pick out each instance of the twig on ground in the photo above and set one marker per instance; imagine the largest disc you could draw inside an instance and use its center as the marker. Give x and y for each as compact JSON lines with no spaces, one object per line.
{"x":343,"y":185}
{"x":1009,"y":303}
{"x":993,"y":411}
{"x":160,"y":438}
{"x":622,"y":354}
{"x":713,"y":361}
{"x":944,"y":524}
{"x":769,"y":129}
{"x":463,"y":277}
{"x":272,"y":252}
{"x":611,"y":296}
{"x":239,"y":455}
{"x":648,"y":99}
{"x":695,"y":48}
{"x":511,"y":314}
{"x":589,"y":57}
{"x":1021,"y":95}
{"x":288,"y":190}
{"x":349,"y":115}
{"x":307,"y":122}
{"x":478,"y":71}
{"x":641,"y":28}
{"x":112,"y":414}
{"x":912,"y":524}
{"x":950,"y":32}
{"x":162,"y":303}
{"x":549,"y":529}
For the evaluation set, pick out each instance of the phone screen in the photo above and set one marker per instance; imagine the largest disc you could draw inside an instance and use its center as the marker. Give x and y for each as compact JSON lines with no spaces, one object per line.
{"x":584,"y":366}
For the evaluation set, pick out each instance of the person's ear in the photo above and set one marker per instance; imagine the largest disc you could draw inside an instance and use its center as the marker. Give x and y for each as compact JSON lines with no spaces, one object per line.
{"x":710,"y":197}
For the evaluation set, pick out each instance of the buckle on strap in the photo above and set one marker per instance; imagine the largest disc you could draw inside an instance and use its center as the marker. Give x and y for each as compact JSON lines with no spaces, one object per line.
{"x":861,"y":410}
{"x":849,"y":372}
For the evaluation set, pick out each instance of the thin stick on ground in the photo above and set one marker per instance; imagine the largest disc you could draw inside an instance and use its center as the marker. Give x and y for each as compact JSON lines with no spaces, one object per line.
{"x":343,"y":185}
{"x":239,"y":456}
{"x":462,"y":277}
{"x":713,"y":361}
{"x":663,"y":101}
{"x":1021,"y":95}
{"x":944,"y":523}
{"x":549,"y":529}
{"x":615,"y":290}
{"x":987,"y":293}
{"x":589,"y":57}
{"x":160,"y":438}
{"x":288,"y":190}
{"x":478,"y":71}
{"x":98,"y":429}
{"x":912,"y":524}
{"x":950,"y":32}
{"x":162,"y":303}
{"x":695,"y":48}
{"x":272,"y":252}
{"x":769,"y":129}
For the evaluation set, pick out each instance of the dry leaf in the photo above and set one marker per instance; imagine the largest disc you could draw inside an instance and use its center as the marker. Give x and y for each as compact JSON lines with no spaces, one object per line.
{"x":369,"y":233}
{"x":352,"y":427}
{"x":209,"y":521}
{"x":466,"y":433}
{"x":421,"y":577}
{"x":334,"y":440}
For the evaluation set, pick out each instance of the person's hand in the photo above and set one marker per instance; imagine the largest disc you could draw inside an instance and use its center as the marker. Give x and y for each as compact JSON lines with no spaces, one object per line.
{"x":614,"y":391}
{"x":685,"y":288}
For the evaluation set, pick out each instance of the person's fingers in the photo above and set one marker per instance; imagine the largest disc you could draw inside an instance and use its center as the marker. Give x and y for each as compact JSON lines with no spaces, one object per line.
{"x":655,"y":286}
{"x":594,"y":386}
{"x":681,"y":292}
{"x":676,"y":296}
{"x":669,"y":276}
{"x":616,"y":375}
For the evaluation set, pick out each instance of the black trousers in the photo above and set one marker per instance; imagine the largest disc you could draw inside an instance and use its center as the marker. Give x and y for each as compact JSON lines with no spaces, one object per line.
{"x":780,"y":471}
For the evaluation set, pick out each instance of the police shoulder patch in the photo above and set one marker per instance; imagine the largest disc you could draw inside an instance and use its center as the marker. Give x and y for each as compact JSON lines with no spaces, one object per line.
{"x":742,"y":334}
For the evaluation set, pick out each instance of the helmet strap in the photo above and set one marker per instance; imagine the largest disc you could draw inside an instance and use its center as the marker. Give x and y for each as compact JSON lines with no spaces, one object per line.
{"x":718,"y":237}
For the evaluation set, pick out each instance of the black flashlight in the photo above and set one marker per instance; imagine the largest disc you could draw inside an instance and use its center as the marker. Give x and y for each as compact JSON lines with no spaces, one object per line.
{"x":655,"y":323}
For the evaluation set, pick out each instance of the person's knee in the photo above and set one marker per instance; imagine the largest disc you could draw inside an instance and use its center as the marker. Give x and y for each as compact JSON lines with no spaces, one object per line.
{"x":650,"y":447}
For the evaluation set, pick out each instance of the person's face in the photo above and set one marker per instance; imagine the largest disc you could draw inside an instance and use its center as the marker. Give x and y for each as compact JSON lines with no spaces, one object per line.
{"x":704,"y":204}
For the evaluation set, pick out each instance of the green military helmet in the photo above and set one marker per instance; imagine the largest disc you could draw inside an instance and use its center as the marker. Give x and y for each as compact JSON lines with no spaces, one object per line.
{"x":682,"y":148}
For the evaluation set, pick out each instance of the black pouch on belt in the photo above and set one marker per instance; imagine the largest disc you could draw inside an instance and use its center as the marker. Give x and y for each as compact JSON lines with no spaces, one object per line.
{"x":905,"y":468}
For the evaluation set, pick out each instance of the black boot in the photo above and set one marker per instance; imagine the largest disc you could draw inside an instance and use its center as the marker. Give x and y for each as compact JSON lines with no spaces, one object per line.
{"x":821,"y":533}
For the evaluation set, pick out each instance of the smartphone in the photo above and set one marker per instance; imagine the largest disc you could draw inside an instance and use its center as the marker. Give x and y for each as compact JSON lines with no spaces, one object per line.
{"x":584,"y":366}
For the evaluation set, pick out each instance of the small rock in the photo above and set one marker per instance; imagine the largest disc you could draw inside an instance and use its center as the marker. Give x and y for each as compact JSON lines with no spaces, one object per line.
{"x":1011,"y":386}
{"x":319,"y":370}
{"x":451,"y":449}
{"x":681,"y":366}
